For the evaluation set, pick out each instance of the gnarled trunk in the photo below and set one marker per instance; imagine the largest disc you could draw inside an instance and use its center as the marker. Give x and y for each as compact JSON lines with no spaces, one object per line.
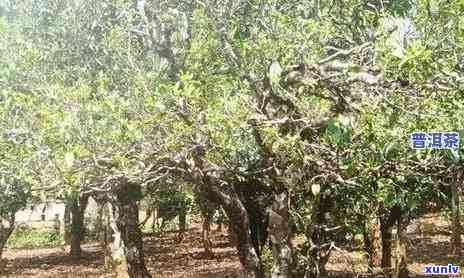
{"x":5,"y":232}
{"x":236,"y":212}
{"x":279,"y":233}
{"x":115,"y":259}
{"x":231,"y":235}
{"x":319,"y":244}
{"x":127,"y":221}
{"x":401,"y":267}
{"x":387,"y":252}
{"x":240,"y":227}
{"x":247,"y":254}
{"x":76,"y":230}
{"x":99,"y":226}
{"x":386,"y":226}
{"x":77,"y":209}
{"x":207,"y":209}
{"x":373,"y":242}
{"x":207,"y":244}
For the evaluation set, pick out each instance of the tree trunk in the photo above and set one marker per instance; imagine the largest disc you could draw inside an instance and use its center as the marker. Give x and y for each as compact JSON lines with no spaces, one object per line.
{"x":237,"y":214}
{"x":127,"y":220}
{"x":456,"y":244}
{"x":247,"y":254}
{"x":401,"y":267}
{"x":106,"y":231}
{"x":386,"y":225}
{"x":319,"y":249}
{"x":386,"y":232}
{"x":5,"y":232}
{"x":99,"y":228}
{"x":279,"y":233}
{"x":115,"y":259}
{"x":67,"y":224}
{"x":76,"y":229}
{"x":207,"y":244}
{"x":182,"y":224}
{"x":207,"y":209}
{"x":231,"y":235}
{"x":373,"y":242}
{"x":78,"y":206}
{"x":240,"y":227}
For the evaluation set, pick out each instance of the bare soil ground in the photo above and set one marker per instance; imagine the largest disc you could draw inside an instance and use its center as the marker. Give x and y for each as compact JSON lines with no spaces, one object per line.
{"x":165,"y":258}
{"x":168,"y":259}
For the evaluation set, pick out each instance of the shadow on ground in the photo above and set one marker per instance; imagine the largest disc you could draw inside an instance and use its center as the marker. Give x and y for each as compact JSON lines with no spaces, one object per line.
{"x":167,"y":258}
{"x":54,"y":262}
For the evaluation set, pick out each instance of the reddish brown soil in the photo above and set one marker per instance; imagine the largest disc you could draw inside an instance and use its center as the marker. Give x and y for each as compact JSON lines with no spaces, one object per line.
{"x":168,"y":259}
{"x":165,"y":258}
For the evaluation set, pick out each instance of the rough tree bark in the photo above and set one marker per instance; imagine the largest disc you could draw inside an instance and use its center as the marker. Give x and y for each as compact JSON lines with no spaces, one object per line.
{"x":279,"y":233}
{"x":99,"y":228}
{"x":386,"y":225}
{"x":182,"y":224}
{"x":230,"y":201}
{"x":387,"y":245}
{"x":230,"y":234}
{"x":240,"y":227}
{"x":77,"y":209}
{"x":373,"y":242}
{"x":76,"y":229}
{"x":279,"y":228}
{"x":319,"y":248}
{"x":401,"y":266}
{"x":205,"y":232}
{"x":115,"y":259}
{"x":207,"y":210}
{"x":126,"y":211}
{"x":456,"y":244}
{"x":5,"y":232}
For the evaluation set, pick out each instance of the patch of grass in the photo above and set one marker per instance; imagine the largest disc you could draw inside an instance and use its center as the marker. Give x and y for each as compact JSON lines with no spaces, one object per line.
{"x":25,"y":238}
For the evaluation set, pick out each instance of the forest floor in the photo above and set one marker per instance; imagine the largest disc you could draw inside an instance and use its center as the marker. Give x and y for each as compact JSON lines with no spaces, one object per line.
{"x":429,"y":244}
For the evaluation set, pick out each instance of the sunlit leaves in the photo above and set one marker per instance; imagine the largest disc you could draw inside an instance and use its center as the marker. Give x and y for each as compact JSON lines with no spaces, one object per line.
{"x":82,"y":83}
{"x":339,"y":132}
{"x":14,"y":194}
